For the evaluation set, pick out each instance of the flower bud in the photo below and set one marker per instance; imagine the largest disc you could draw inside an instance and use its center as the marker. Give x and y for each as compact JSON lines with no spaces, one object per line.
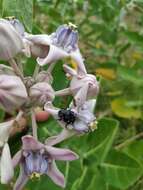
{"x":17,"y":25}
{"x":12,"y":92}
{"x":41,"y":92}
{"x":44,"y":76}
{"x":11,"y":42}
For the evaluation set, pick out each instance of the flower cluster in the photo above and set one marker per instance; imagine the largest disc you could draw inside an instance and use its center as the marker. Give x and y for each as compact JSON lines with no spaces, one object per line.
{"x":23,"y":94}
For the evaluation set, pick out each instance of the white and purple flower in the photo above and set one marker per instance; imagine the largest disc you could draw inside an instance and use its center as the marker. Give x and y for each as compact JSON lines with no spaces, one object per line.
{"x":41,"y":93}
{"x":61,"y":44}
{"x":37,"y":159}
{"x":85,"y":121}
{"x":82,"y":88}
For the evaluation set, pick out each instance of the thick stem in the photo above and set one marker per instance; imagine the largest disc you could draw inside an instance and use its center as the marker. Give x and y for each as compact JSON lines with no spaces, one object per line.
{"x":34,"y":124}
{"x":36,"y":71}
{"x":51,"y":67}
{"x":128,"y":141}
{"x":19,"y":115}
{"x":63,"y":92}
{"x":65,"y":134}
{"x":16,"y":68}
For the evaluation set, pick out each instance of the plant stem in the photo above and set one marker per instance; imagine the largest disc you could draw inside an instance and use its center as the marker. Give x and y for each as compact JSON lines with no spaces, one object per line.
{"x":19,"y":115}
{"x":16,"y":68}
{"x":34,"y":124}
{"x":128,"y":141}
{"x":63,"y":92}
{"x":51,"y":67}
{"x":36,"y":71}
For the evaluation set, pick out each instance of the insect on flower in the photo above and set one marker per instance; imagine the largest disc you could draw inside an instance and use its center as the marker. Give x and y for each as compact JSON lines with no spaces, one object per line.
{"x":67,"y":116}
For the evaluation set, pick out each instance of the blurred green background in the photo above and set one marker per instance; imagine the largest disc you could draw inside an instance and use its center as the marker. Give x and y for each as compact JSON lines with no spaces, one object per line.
{"x":111,"y":41}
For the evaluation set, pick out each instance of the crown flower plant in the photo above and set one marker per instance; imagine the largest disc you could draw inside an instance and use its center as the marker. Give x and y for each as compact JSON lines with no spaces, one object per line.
{"x":37,"y":159}
{"x":21,"y":96}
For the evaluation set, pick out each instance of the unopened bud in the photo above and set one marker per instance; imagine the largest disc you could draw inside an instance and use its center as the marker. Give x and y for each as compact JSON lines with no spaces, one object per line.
{"x":10,"y":41}
{"x":12,"y":92}
{"x":41,"y":93}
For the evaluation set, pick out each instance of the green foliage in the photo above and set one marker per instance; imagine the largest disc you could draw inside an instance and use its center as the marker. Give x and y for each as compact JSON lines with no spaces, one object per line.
{"x":23,"y":10}
{"x":111,"y":40}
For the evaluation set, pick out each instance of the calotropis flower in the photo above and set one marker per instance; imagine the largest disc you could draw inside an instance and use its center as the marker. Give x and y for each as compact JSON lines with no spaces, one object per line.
{"x":84,"y":121}
{"x":11,"y":42}
{"x":12,"y":92}
{"x":82,"y":88}
{"x":6,"y":167}
{"x":41,"y":93}
{"x":37,"y":159}
{"x":60,"y":44}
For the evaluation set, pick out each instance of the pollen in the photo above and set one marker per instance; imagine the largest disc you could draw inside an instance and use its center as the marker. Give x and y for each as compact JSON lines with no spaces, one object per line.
{"x":93,"y":125}
{"x":35,"y":175}
{"x":10,"y":18}
{"x":72,"y":26}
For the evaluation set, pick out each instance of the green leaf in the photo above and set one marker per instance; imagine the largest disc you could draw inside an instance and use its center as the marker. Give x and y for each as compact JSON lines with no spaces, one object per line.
{"x":130,"y":75}
{"x":26,"y":12}
{"x":60,"y":82}
{"x":23,"y":10}
{"x":134,"y":37}
{"x":120,"y":170}
{"x":1,"y":7}
{"x":134,"y":150}
{"x":97,"y":181}
{"x":10,"y":8}
{"x":121,"y":108}
{"x":103,"y":139}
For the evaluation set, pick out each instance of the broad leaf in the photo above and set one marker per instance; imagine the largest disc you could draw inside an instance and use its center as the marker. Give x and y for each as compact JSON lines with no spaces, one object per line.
{"x":120,"y":170}
{"x":102,"y":139}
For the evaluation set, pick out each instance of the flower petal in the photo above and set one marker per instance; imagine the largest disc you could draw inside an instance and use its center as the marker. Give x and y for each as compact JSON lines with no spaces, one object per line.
{"x":81,"y":95}
{"x":76,"y":56}
{"x":5,"y":129}
{"x":41,"y":39}
{"x":61,"y":153}
{"x":16,"y":159}
{"x":91,"y":105}
{"x":52,"y":111}
{"x":54,"y":54}
{"x":55,"y":174}
{"x":6,"y":167}
{"x":30,"y":143}
{"x":81,"y":126}
{"x":11,"y":42}
{"x":60,"y":137}
{"x":22,"y":179}
{"x":69,"y":70}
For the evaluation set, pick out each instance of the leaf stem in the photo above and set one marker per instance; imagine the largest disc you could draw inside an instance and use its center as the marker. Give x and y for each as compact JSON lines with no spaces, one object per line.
{"x":34,"y":124}
{"x":128,"y":141}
